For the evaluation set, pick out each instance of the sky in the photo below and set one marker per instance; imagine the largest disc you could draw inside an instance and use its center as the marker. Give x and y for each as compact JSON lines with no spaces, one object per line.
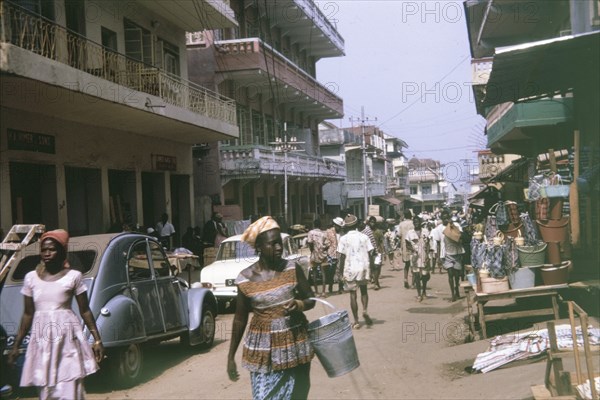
{"x":408,"y":64}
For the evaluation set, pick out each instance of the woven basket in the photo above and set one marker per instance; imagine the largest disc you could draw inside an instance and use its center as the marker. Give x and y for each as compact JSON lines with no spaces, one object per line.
{"x":532,"y":256}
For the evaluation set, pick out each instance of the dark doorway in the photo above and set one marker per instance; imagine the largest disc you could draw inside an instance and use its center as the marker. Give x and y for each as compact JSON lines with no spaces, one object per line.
{"x":33,"y":194}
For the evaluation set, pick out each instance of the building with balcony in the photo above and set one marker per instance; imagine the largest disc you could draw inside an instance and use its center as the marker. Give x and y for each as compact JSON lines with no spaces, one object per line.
{"x":425,"y":182}
{"x":346,"y":145}
{"x":98,"y":116}
{"x":537,"y":84}
{"x":268,"y":65}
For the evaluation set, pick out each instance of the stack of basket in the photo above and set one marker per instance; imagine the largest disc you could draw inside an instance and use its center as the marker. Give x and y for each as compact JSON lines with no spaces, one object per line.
{"x":555,"y":232}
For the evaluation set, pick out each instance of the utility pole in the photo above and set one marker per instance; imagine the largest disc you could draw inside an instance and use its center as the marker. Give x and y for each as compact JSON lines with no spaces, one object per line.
{"x":364,"y":156}
{"x":285,"y":146}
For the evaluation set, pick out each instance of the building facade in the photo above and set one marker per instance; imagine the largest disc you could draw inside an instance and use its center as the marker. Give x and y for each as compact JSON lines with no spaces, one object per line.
{"x":425,"y":182}
{"x":98,"y":117}
{"x":268,"y":65}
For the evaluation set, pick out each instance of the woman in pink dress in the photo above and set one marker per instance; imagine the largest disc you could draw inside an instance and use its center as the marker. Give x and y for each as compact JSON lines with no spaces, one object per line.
{"x":58,"y":355}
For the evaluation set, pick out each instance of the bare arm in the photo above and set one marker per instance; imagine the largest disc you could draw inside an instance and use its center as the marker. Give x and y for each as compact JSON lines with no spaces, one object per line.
{"x":304,"y":289}
{"x":26,"y":320}
{"x":240,"y":320}
{"x":90,"y":322}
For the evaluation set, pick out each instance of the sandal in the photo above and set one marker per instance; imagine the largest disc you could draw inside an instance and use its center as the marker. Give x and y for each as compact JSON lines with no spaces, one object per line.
{"x":368,"y":319}
{"x":356,"y":325}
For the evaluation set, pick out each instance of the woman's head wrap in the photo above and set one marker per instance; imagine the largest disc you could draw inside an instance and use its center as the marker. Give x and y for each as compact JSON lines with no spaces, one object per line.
{"x":59,"y":235}
{"x":257,"y":227}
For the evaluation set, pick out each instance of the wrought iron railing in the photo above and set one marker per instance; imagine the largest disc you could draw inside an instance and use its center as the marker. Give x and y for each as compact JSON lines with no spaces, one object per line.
{"x":42,"y":36}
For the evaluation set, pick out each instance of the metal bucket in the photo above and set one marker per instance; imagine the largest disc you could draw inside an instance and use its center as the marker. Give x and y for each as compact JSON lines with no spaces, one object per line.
{"x":331,"y":337}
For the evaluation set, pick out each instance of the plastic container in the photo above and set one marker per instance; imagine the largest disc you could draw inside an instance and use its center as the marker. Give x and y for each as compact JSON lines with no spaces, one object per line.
{"x":554,"y":230}
{"x":331,"y":337}
{"x":532,"y":256}
{"x":522,"y":278}
{"x":556,"y":275}
{"x":493,"y":285}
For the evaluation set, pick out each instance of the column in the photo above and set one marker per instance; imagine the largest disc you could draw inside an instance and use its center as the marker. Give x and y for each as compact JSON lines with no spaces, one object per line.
{"x":61,"y":196}
{"x":105,"y":194}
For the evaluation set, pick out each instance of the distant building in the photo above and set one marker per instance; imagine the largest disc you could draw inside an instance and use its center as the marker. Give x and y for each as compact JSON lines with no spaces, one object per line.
{"x":425,"y":184}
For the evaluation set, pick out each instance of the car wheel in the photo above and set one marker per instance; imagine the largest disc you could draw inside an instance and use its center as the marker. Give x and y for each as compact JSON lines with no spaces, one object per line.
{"x":128,"y":368}
{"x":207,"y":327}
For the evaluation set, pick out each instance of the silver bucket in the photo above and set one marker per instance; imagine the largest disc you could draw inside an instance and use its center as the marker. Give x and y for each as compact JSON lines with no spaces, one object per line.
{"x":331,"y":337}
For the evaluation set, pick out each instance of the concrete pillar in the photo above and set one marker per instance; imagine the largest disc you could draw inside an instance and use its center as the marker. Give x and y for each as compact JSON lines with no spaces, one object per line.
{"x":167,"y":189}
{"x":61,"y":196}
{"x":5,"y":192}
{"x":105,"y":197}
{"x":139,"y":198}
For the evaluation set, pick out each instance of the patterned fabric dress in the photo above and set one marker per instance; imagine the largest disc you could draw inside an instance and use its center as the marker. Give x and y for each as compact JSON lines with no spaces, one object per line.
{"x":276,"y":348}
{"x":57,"y":352}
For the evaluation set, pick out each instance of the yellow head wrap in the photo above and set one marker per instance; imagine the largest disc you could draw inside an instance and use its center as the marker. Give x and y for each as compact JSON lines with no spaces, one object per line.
{"x":257,"y":227}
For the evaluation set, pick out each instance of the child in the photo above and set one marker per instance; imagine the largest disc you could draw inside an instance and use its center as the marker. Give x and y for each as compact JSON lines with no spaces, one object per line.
{"x":417,"y":243}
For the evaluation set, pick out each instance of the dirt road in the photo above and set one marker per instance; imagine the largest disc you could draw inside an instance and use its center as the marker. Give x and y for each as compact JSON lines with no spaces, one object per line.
{"x":413,"y":351}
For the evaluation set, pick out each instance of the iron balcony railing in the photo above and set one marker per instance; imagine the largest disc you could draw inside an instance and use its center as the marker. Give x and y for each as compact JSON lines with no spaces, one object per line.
{"x":242,"y":161}
{"x":42,"y":36}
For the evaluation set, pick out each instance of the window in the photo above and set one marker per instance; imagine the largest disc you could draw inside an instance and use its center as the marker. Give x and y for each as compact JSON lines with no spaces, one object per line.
{"x":109,"y":39}
{"x":413,"y":190}
{"x":138,"y":43}
{"x":170,"y":54}
{"x":426,"y":189}
{"x":138,"y":266}
{"x":82,"y":261}
{"x":159,"y":260}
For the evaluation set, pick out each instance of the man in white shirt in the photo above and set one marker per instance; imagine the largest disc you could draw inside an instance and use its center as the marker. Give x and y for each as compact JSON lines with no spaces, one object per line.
{"x":355,"y":251}
{"x":165,"y":230}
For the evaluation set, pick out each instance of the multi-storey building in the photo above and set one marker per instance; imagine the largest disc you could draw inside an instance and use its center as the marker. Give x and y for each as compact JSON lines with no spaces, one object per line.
{"x":268,"y":65}
{"x":98,"y":117}
{"x":368,"y":170}
{"x":425,"y":184}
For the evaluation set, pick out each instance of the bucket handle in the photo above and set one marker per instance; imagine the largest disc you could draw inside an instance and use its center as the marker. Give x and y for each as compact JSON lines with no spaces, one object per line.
{"x":323,"y":301}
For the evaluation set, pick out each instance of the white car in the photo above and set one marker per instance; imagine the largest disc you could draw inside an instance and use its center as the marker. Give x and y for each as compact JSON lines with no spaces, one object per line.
{"x":232,"y":257}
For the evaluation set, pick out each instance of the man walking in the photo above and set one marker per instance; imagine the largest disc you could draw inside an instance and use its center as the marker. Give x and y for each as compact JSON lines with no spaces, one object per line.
{"x":403,"y":228}
{"x":318,"y":245}
{"x":355,"y":250}
{"x":165,"y":231}
{"x":333,"y":235}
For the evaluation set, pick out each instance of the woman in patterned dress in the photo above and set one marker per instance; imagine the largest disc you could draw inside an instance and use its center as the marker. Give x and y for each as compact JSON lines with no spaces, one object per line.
{"x":58,"y":355}
{"x":276,"y":349}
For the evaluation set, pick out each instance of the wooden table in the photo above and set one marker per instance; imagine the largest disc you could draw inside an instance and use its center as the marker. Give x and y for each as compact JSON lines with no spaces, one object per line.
{"x":480,"y":299}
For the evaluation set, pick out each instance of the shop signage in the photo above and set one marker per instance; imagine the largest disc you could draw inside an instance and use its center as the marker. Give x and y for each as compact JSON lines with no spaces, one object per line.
{"x":373,"y":210}
{"x":161,"y":162}
{"x":29,"y":141}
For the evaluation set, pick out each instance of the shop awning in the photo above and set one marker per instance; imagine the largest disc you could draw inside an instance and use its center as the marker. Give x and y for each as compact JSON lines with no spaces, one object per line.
{"x":390,"y":199}
{"x":515,"y":172}
{"x":542,"y":68}
{"x":482,"y":193}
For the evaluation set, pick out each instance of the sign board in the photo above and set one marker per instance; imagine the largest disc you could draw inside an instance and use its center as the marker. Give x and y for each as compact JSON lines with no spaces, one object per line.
{"x":161,"y":162}
{"x":29,"y":141}
{"x":373,"y":209}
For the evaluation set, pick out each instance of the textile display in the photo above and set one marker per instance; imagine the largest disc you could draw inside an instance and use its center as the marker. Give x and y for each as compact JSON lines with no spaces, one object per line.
{"x":478,"y":250}
{"x":511,"y":256}
{"x":499,"y":210}
{"x":494,"y":257}
{"x":491,"y":227}
{"x":530,"y":230}
{"x":534,"y":191}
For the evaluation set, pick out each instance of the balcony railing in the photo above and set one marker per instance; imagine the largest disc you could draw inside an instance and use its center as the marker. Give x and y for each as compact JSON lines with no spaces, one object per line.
{"x":355,"y":190}
{"x":312,"y":10}
{"x":283,"y":68}
{"x":39,"y":35}
{"x":241,"y":161}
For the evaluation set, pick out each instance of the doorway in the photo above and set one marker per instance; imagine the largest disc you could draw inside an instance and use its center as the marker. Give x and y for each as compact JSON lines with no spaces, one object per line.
{"x":34,"y":194}
{"x":153,"y":197}
{"x":84,"y":200}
